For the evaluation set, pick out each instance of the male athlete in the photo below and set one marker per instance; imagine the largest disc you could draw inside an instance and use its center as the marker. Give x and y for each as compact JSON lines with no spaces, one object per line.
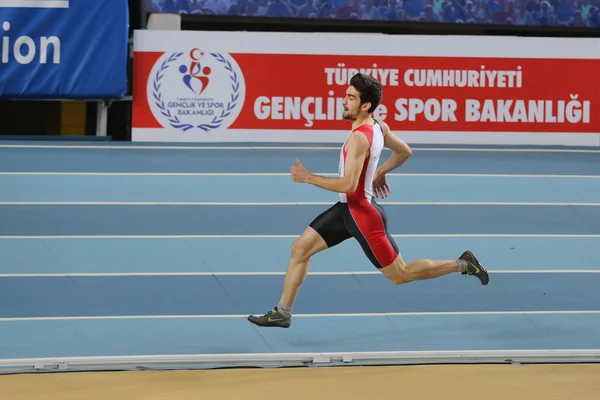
{"x":357,"y":214}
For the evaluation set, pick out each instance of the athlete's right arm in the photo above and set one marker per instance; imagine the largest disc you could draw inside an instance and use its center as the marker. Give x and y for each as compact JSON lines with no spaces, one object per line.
{"x":400,"y":150}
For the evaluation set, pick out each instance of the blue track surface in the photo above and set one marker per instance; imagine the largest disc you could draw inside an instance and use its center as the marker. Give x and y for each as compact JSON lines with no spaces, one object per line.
{"x":218,"y":295}
{"x":103,"y":159}
{"x":91,"y":279}
{"x":280,"y":188}
{"x":286,"y":220}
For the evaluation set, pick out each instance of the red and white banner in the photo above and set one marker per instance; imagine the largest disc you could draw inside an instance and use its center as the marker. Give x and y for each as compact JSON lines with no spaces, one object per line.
{"x":288,"y":87}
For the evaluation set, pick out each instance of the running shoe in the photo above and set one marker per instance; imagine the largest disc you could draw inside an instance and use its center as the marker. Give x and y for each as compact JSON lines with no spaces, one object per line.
{"x":474,"y":268}
{"x":271,"y":319}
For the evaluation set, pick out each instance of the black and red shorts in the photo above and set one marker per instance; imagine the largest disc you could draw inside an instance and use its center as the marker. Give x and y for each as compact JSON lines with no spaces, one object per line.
{"x":363,"y":220}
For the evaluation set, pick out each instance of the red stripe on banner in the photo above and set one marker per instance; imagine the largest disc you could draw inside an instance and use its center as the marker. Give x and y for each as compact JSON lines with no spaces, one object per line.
{"x":303,"y":91}
{"x":142,"y":65}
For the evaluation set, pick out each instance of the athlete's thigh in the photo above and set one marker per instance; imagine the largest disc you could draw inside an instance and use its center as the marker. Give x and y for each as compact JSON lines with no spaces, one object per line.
{"x":330,"y":225}
{"x":368,"y":227}
{"x":384,"y":218}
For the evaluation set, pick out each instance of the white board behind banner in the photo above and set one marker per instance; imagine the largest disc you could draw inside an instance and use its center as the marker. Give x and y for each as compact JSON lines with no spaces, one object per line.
{"x":288,"y":87}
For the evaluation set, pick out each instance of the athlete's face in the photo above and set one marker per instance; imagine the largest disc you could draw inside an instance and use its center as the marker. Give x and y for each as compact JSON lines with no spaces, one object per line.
{"x":352,"y":107}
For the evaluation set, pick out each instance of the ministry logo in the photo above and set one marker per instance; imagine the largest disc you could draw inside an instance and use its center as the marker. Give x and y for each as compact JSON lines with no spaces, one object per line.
{"x":196,"y":90}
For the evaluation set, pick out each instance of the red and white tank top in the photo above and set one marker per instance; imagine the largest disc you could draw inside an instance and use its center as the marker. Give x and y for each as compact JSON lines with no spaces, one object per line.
{"x":374,"y":134}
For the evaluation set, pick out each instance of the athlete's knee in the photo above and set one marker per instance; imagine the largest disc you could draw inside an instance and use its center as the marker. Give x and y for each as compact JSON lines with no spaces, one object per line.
{"x":399,"y":276}
{"x":396,"y":272}
{"x":299,"y":250}
{"x":303,"y":248}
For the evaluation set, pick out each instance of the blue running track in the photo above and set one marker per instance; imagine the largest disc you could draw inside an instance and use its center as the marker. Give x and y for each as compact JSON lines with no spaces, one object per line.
{"x":125,"y":250}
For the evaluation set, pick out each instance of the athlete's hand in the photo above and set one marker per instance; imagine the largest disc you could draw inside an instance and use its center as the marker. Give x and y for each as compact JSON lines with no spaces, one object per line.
{"x":380,"y":186}
{"x":299,"y":173}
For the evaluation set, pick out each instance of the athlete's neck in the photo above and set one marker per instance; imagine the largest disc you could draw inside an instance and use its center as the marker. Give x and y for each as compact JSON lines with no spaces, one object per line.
{"x":368,"y":120}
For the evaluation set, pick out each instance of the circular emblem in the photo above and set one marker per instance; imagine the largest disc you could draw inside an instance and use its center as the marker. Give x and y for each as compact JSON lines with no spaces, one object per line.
{"x":196,"y":90}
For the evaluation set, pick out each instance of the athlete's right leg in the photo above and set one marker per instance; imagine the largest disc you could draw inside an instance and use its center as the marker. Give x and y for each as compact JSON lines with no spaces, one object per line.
{"x":400,"y":272}
{"x":325,"y":231}
{"x":369,"y":226}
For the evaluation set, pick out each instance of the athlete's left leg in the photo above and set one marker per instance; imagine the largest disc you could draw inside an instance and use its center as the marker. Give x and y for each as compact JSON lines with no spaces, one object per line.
{"x":303,"y":249}
{"x":325,"y":231}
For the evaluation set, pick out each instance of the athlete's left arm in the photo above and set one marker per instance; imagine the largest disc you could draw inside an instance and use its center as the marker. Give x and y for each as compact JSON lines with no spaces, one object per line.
{"x":357,"y":148}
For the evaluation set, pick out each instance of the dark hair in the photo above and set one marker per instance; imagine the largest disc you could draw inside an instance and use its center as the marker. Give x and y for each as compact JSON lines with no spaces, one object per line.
{"x":369,"y":89}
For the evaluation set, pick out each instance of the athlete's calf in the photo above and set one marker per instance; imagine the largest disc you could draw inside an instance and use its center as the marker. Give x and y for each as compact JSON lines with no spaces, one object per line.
{"x":400,"y":272}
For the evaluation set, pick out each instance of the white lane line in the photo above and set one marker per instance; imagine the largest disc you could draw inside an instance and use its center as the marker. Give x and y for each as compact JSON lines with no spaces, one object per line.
{"x":278,"y":148}
{"x":252,"y":174}
{"x":265,"y":273}
{"x":288,"y":203}
{"x":343,"y":315}
{"x":441,"y":235}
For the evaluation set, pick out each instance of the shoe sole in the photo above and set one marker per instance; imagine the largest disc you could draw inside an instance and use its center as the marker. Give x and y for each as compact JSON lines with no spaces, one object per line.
{"x":267,"y":326}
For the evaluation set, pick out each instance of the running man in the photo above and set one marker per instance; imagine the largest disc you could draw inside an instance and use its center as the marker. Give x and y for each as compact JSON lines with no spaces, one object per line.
{"x":357,"y":214}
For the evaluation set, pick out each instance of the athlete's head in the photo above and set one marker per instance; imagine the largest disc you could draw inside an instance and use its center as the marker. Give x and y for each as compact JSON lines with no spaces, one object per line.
{"x":362,"y":96}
